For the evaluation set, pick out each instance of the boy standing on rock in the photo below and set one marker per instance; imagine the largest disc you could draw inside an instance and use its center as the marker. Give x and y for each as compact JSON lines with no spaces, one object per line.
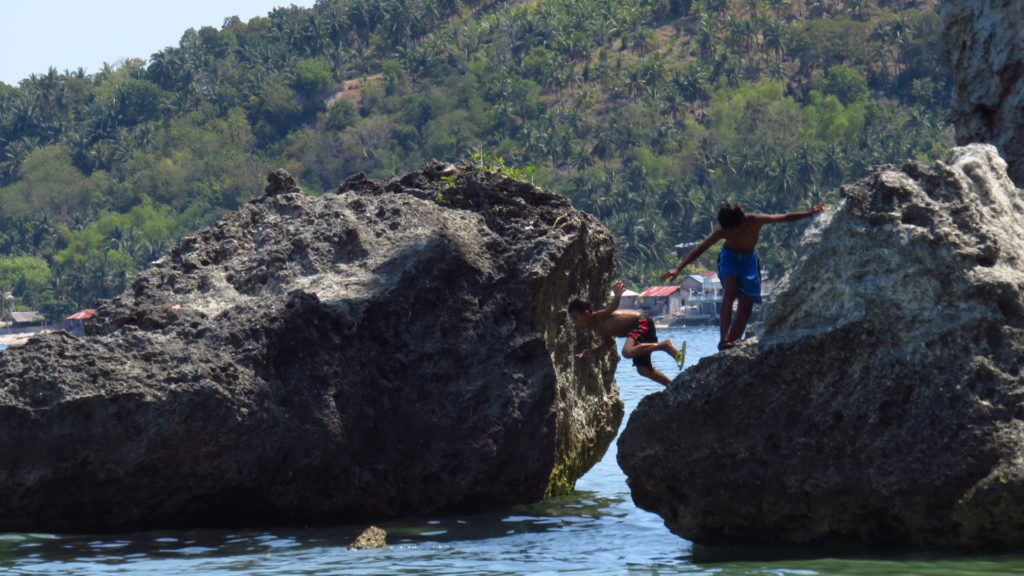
{"x":637,"y":328}
{"x":738,"y":266}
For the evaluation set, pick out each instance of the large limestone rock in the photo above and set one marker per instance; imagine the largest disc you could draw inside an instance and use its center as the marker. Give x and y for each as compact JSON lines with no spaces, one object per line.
{"x":984,"y":42}
{"x":396,"y":348}
{"x":884,"y":403}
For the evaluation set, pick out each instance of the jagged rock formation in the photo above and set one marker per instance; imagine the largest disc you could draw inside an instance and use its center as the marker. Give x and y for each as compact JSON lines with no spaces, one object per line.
{"x":884,"y":403}
{"x":395,"y":348}
{"x":984,"y":42}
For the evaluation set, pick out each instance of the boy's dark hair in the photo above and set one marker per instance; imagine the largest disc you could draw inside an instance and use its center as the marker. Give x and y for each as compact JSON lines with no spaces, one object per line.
{"x":580,"y":305}
{"x":730,"y":215}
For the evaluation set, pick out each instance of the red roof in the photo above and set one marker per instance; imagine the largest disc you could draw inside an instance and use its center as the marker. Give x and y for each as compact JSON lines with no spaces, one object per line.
{"x":82,"y":315}
{"x":659,"y":291}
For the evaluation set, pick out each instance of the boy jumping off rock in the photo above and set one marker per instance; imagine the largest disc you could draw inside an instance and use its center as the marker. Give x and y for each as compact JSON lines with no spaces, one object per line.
{"x":738,"y":266}
{"x":636,"y":327}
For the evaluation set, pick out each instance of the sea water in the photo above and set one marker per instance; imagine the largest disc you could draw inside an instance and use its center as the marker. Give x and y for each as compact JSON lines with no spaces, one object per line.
{"x":597,"y":531}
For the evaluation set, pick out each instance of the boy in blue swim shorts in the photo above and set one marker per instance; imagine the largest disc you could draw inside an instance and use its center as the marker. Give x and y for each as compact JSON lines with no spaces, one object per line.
{"x":738,"y":266}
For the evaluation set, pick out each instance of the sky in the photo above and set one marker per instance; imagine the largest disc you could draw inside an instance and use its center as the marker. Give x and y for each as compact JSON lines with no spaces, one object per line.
{"x":69,"y":34}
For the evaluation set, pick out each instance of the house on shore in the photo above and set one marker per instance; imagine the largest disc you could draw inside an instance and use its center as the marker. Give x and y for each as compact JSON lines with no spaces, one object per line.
{"x":76,"y":322}
{"x":628,"y":300}
{"x":691,"y":285}
{"x":25,"y":319}
{"x":663,"y":300}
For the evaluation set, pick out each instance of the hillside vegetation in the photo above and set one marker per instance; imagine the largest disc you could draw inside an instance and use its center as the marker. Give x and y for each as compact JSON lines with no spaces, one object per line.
{"x":647,"y":113}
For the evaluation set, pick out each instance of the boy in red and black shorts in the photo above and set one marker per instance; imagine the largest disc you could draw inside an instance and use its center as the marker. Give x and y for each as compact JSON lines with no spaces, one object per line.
{"x":644,"y":332}
{"x":638,"y":330}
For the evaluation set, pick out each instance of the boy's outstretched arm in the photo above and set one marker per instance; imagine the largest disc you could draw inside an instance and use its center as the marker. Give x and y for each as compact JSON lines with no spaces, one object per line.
{"x":791,"y":217}
{"x":693,"y":255}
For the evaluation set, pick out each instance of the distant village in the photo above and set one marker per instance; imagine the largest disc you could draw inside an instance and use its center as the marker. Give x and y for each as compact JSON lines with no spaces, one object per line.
{"x":17,"y":327}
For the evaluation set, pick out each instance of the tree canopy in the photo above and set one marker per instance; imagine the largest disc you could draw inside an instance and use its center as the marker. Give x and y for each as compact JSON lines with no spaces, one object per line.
{"x":647,"y":114}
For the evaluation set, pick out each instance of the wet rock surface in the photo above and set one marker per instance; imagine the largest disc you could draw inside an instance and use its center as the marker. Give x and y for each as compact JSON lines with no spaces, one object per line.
{"x":984,"y":42}
{"x":884,"y":403}
{"x":395,"y":348}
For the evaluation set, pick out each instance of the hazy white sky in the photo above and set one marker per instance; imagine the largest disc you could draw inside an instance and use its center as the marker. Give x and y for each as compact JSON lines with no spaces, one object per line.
{"x":68,"y":34}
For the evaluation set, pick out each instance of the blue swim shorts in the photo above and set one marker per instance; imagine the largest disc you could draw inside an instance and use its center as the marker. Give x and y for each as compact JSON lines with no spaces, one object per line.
{"x":746,"y":268}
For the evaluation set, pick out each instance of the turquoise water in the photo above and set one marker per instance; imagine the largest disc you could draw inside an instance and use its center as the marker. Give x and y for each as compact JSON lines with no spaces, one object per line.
{"x":595,"y":531}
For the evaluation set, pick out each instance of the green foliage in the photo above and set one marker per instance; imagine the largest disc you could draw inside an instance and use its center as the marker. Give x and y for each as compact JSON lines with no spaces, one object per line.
{"x":50,"y":184}
{"x":846,"y":84}
{"x":138,"y":101}
{"x":497,"y":164}
{"x":647,"y":114}
{"x":313,"y":80}
{"x":27,"y":278}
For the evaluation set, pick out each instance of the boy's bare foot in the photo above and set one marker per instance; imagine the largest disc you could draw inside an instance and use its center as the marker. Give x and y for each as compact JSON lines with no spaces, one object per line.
{"x":668,"y":347}
{"x":726,"y":344}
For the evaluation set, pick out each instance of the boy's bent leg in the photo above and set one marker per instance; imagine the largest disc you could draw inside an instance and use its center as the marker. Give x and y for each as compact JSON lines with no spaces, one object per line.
{"x":632,"y":348}
{"x":654,"y":374}
{"x":730,"y":289}
{"x":743,"y":312}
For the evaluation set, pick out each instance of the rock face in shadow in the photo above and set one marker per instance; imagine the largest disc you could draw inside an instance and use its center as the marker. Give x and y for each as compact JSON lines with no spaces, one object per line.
{"x":884,"y":402}
{"x":396,"y":348}
{"x":984,"y":42}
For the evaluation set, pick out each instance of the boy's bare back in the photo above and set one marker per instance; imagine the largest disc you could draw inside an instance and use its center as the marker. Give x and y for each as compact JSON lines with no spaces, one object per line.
{"x":743,"y":238}
{"x":617,"y":324}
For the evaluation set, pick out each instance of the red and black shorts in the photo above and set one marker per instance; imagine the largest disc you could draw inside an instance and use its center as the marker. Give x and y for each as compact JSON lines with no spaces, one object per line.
{"x":644,"y":332}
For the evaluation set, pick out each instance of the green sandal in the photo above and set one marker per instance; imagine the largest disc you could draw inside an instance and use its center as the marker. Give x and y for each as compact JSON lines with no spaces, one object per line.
{"x":681,"y":356}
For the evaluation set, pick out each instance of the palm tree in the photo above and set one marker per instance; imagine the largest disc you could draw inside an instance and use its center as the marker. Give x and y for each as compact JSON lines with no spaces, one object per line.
{"x":14,"y":155}
{"x":775,"y":38}
{"x":753,"y":8}
{"x":580,"y":158}
{"x":882,"y":50}
{"x":834,"y":166}
{"x":808,"y":166}
{"x":778,"y":6}
{"x":693,"y":84}
{"x":784,"y":183}
{"x":602,"y":148}
{"x":673,"y":103}
{"x":741,"y":32}
{"x":708,"y":40}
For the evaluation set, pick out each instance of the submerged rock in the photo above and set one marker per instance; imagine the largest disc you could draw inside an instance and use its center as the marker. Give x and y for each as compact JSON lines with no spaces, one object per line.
{"x":884,"y":403}
{"x":984,"y":41}
{"x":372,"y":537}
{"x":395,"y":348}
